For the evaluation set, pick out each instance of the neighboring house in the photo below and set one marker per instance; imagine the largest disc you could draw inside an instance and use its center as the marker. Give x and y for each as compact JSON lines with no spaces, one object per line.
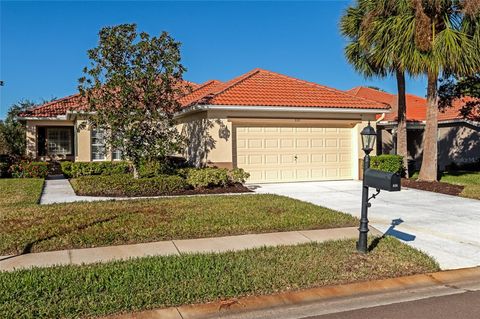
{"x":276,"y":127}
{"x":458,"y":138}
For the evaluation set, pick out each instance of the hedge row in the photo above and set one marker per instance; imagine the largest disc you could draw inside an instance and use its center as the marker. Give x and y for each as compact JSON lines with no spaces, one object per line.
{"x":185,"y":179}
{"x":26,"y":169}
{"x":388,"y":163}
{"x":213,"y":177}
{"x":126,"y":185}
{"x":77,"y":169}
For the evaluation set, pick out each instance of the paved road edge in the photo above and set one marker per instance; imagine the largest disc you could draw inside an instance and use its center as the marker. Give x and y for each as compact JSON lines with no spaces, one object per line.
{"x":251,"y":303}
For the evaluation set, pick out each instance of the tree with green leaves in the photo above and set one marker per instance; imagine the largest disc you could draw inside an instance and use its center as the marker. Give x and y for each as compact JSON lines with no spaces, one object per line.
{"x":131,"y":88}
{"x":440,"y":37}
{"x":13,"y":131}
{"x":365,"y":26}
{"x":466,"y":91}
{"x":425,"y":37}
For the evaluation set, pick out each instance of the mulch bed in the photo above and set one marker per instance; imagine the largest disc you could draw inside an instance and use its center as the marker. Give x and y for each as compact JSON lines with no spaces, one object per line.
{"x":437,"y":187}
{"x":233,"y":189}
{"x":237,"y":188}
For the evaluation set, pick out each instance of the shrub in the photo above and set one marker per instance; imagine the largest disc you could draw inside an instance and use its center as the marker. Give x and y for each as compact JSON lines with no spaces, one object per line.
{"x":26,"y":169}
{"x":126,"y":185}
{"x":239,"y":176}
{"x":66,"y":168}
{"x":387,"y":163}
{"x":4,"y":169}
{"x":167,"y":165}
{"x":78,"y":169}
{"x":208,"y":177}
{"x":213,"y":177}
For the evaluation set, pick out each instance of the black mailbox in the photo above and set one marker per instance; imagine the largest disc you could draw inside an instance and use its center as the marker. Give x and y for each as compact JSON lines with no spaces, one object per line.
{"x":382,"y":180}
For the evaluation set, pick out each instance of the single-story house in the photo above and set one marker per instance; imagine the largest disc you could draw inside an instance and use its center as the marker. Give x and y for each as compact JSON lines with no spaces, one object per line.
{"x":278,"y":128}
{"x":458,"y":137}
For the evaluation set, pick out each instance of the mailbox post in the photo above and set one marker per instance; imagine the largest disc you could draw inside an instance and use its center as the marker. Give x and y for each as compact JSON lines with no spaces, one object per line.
{"x":379,"y":180}
{"x":368,"y":135}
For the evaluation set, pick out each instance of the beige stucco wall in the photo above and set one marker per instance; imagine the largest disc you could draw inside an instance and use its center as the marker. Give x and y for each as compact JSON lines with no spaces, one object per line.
{"x":457,"y":143}
{"x":209,"y":140}
{"x":82,"y":141}
{"x":211,"y":135}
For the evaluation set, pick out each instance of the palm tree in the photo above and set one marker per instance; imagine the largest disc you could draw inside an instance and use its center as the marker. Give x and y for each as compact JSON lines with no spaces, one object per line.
{"x":368,"y":52}
{"x":438,"y":37}
{"x":421,"y":37}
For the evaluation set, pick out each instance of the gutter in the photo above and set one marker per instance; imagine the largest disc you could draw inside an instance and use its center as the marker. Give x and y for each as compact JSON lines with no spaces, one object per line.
{"x":37,"y":118}
{"x":200,"y":108}
{"x":422,"y":123}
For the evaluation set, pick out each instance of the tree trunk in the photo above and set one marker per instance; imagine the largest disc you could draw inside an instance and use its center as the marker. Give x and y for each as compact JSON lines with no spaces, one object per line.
{"x":402,"y":120}
{"x":428,"y":171}
{"x":135,"y":171}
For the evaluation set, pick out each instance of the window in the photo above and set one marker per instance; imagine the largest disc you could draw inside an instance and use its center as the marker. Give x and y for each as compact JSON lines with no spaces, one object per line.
{"x":59,"y":141}
{"x":98,"y":145}
{"x":116,"y":155}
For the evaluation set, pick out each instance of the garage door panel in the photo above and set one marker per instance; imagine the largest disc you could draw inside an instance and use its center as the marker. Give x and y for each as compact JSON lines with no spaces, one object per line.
{"x":331,"y":142}
{"x":317,"y":158}
{"x":271,"y":159}
{"x":241,"y":160}
{"x":256,"y":175}
{"x":286,"y":143}
{"x":276,"y":154}
{"x":316,"y":142}
{"x":271,"y":143}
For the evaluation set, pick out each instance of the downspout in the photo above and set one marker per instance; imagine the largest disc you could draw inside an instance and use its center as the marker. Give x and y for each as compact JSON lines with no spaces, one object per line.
{"x":379,"y":133}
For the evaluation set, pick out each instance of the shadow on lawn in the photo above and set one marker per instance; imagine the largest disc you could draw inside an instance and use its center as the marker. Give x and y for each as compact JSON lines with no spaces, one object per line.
{"x":28,"y":247}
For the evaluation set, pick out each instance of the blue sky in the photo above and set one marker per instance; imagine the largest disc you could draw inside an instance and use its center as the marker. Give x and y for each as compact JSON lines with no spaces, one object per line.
{"x":43,"y":44}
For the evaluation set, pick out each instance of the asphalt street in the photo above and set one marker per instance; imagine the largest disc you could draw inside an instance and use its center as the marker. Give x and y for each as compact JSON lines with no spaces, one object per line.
{"x":460,"y":306}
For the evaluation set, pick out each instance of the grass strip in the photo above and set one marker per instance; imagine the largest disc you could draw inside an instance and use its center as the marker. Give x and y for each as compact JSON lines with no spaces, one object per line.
{"x":471,"y":181}
{"x":26,"y":227}
{"x":139,"y":284}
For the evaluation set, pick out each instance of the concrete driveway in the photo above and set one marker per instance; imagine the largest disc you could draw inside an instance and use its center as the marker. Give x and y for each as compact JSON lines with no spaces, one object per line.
{"x":446,"y":227}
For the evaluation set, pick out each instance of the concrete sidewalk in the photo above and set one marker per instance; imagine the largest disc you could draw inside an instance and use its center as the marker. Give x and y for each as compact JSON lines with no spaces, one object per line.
{"x":172,"y":247}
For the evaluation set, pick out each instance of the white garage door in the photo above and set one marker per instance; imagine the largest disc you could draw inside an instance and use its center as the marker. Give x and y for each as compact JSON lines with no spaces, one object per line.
{"x":287,"y":154}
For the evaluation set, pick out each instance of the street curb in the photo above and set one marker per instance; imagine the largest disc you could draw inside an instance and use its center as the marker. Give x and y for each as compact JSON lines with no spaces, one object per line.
{"x":250,"y":303}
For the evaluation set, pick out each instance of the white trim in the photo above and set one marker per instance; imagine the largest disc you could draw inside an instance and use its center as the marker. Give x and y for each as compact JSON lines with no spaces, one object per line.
{"x":57,"y":118}
{"x":422,"y":123}
{"x":199,"y":108}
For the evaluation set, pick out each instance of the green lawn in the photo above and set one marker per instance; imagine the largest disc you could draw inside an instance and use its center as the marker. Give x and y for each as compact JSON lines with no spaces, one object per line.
{"x":101,"y":289}
{"x":18,"y":191}
{"x":471,"y":181}
{"x":28,"y":227}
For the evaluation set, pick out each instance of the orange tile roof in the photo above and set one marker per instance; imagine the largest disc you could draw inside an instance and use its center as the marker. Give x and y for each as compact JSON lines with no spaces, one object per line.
{"x":265,"y":88}
{"x":255,"y":88}
{"x":416,"y":106}
{"x":56,"y":107}
{"x":200,"y":92}
{"x":372,"y":94}
{"x":73,"y":102}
